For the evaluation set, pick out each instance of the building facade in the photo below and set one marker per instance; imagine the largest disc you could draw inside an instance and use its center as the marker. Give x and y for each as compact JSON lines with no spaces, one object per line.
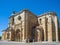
{"x":26,"y":26}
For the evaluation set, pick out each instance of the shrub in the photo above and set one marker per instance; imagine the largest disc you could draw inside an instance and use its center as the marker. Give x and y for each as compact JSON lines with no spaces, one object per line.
{"x":0,"y":37}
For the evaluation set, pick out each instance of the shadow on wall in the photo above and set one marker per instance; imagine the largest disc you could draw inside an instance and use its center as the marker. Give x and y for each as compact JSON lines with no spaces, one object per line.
{"x":59,"y":33}
{"x":59,"y":30}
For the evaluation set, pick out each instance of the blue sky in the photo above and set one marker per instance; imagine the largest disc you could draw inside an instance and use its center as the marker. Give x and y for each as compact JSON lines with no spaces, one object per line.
{"x":36,"y":6}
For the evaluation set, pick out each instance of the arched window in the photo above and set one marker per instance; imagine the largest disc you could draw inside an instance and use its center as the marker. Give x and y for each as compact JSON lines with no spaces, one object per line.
{"x":40,"y":21}
{"x":47,"y":20}
{"x":12,"y":21}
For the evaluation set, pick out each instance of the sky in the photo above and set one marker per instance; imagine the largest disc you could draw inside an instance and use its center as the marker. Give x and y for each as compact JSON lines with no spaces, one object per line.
{"x":35,"y":6}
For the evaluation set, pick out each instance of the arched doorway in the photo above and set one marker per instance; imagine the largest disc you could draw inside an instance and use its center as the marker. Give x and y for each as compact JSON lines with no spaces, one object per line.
{"x":8,"y":36}
{"x":32,"y":37}
{"x":39,"y":34}
{"x":17,"y":35}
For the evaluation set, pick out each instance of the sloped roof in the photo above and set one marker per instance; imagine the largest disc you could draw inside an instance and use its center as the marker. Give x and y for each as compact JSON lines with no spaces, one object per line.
{"x":47,"y":13}
{"x":7,"y":29}
{"x":21,"y":12}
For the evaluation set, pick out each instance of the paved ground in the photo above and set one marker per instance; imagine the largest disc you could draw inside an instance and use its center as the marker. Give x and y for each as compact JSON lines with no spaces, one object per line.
{"x":23,"y":43}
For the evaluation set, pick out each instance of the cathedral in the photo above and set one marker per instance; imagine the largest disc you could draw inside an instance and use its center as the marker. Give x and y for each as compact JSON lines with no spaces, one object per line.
{"x":25,"y":26}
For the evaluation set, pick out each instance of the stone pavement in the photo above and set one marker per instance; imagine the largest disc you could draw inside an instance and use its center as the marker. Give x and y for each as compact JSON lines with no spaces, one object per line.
{"x":23,"y":43}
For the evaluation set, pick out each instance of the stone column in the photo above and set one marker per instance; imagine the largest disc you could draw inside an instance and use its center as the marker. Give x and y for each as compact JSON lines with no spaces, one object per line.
{"x":20,"y":37}
{"x":3,"y":35}
{"x":49,"y":29}
{"x":25,"y":31}
{"x":10,"y":36}
{"x":56,"y":25}
{"x":44,"y":27}
{"x":38,"y":34}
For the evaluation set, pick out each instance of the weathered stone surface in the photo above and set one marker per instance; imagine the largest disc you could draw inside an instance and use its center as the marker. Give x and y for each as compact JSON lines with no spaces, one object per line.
{"x":25,"y":26}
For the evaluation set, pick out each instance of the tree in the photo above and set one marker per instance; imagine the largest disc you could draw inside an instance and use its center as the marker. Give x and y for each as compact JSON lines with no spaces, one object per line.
{"x":0,"y":37}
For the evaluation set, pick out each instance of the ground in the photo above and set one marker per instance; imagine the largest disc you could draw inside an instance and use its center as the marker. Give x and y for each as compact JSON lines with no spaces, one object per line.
{"x":23,"y":43}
